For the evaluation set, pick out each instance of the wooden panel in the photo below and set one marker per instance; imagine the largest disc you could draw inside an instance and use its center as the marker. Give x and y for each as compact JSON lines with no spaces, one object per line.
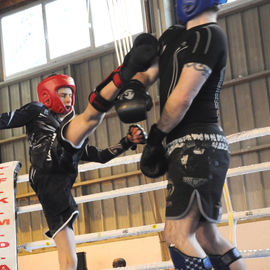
{"x":108,"y":209}
{"x":253,"y":43}
{"x":33,"y":86}
{"x":94,"y":222}
{"x":264,"y":157}
{"x":82,"y":84}
{"x":136,"y":209}
{"x":264,"y":13}
{"x":230,"y":125}
{"x":79,"y":225}
{"x":121,"y":206}
{"x":7,"y":149}
{"x":246,"y":54}
{"x":26,"y":97}
{"x":35,"y":221}
{"x":24,"y":231}
{"x":95,"y":73}
{"x":264,"y":118}
{"x":19,"y":147}
{"x":11,"y":4}
{"x":260,"y":103}
{"x":115,"y":132}
{"x":261,"y":106}
{"x":237,"y":50}
{"x":246,"y":122}
{"x":228,"y":73}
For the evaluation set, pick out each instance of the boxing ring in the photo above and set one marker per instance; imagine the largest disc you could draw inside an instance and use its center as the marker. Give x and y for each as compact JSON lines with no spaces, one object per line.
{"x":9,"y":179}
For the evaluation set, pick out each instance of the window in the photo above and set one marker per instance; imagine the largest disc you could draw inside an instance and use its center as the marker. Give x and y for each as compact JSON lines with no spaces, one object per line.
{"x":46,"y":32}
{"x":67,"y":25}
{"x":21,"y":33}
{"x":112,"y":21}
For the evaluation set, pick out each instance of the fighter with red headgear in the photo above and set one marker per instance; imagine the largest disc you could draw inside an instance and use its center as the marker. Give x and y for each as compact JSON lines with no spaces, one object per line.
{"x":57,"y":145}
{"x":48,"y":95}
{"x":58,"y":139}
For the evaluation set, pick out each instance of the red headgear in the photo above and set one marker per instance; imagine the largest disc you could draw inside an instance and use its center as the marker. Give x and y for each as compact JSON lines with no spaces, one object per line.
{"x":47,"y":92}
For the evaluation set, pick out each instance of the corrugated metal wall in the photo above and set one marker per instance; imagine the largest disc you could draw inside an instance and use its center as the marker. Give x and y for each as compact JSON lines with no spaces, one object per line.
{"x":244,"y":106}
{"x":245,"y":98}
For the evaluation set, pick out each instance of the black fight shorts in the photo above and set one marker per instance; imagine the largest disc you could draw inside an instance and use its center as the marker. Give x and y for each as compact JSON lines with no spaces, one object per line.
{"x":54,"y":194}
{"x":198,"y":163}
{"x":53,"y":184}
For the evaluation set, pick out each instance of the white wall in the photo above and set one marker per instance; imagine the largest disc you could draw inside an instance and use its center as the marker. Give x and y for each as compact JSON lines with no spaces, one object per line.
{"x":254,"y":235}
{"x":100,"y":256}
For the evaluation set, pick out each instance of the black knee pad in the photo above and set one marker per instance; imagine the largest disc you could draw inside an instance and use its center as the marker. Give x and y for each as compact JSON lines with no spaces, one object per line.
{"x":222,"y":262}
{"x":184,"y":262}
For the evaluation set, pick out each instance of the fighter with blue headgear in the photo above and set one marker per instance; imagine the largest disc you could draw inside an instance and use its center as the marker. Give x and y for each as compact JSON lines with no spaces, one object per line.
{"x":188,"y":9}
{"x":191,"y":68}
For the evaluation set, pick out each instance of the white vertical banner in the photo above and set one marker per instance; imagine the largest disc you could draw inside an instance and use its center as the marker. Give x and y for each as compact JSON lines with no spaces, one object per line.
{"x":8,"y":238}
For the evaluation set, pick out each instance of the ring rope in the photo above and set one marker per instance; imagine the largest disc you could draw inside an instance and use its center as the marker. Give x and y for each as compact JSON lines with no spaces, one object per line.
{"x":99,"y":236}
{"x":135,"y":231}
{"x":244,"y":215}
{"x":94,"y":165}
{"x":103,"y":195}
{"x":247,"y":215}
{"x":237,"y":137}
{"x":247,"y":135}
{"x":84,"y":238}
{"x":145,"y":188}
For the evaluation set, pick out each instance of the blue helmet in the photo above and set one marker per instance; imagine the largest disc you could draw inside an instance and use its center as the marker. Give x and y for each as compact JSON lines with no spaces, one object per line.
{"x":188,"y":9}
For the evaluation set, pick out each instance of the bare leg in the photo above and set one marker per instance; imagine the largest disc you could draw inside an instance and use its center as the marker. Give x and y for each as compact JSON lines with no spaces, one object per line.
{"x":181,"y":233}
{"x":214,"y":244}
{"x":85,"y":123}
{"x":65,"y":243}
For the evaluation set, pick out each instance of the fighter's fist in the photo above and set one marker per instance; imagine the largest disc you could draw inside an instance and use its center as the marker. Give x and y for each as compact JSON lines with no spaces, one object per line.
{"x":136,"y":134}
{"x":153,"y":160}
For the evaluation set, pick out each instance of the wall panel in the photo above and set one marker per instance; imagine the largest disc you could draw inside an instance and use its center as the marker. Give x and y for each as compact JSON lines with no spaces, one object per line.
{"x":245,"y":105}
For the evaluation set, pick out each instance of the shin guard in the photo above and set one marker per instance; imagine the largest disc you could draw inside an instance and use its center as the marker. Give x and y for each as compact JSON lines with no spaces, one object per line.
{"x":184,"y":262}
{"x":113,"y":77}
{"x":222,"y":262}
{"x":100,"y":103}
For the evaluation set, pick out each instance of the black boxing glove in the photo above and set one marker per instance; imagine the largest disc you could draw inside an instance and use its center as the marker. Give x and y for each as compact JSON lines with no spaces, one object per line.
{"x":139,"y":58}
{"x":153,"y":161}
{"x":133,"y":102}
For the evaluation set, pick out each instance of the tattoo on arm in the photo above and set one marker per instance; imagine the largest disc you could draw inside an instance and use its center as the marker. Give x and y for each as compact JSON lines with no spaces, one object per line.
{"x":205,"y":70}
